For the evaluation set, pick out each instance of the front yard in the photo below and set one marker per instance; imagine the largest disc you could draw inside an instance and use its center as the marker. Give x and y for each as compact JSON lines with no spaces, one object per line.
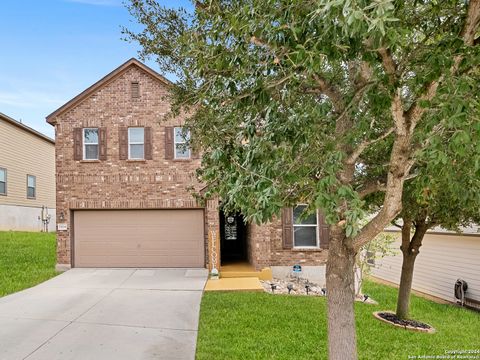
{"x":265,"y":326}
{"x":26,"y":259}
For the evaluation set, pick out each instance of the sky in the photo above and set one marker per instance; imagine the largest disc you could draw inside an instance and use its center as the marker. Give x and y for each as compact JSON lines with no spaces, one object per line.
{"x":52,"y":50}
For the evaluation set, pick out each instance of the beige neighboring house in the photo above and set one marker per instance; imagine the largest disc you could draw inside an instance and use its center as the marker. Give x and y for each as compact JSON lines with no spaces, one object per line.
{"x":444,"y":257}
{"x":27,"y":177}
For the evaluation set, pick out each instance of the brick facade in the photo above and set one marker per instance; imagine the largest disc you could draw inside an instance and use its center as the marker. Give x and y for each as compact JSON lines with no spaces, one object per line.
{"x":265,"y":248}
{"x":147,"y":184}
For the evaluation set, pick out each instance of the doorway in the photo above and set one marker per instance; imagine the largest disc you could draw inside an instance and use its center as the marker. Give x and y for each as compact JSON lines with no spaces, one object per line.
{"x":233,"y":238}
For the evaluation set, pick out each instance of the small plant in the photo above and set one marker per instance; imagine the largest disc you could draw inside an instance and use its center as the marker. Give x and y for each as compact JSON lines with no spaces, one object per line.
{"x":378,"y":248}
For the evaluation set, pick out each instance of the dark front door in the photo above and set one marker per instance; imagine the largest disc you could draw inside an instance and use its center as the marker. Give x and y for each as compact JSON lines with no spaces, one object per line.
{"x":233,"y":237}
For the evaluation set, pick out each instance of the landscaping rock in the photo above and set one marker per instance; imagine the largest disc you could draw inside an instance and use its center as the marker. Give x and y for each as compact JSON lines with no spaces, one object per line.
{"x":281,"y":287}
{"x":298,"y":287}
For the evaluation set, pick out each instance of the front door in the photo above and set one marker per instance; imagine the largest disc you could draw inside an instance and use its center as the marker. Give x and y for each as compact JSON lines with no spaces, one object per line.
{"x":233,"y":237}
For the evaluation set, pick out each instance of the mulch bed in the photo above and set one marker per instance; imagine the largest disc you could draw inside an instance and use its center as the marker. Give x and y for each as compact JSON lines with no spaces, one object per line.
{"x":407,"y":324}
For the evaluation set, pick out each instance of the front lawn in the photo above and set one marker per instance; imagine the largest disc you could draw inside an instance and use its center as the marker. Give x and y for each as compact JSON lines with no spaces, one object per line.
{"x":264,"y":326}
{"x":26,"y":259}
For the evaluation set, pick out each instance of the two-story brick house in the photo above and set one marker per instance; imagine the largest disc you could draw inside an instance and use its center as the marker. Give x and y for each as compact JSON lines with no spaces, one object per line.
{"x":124,"y":180}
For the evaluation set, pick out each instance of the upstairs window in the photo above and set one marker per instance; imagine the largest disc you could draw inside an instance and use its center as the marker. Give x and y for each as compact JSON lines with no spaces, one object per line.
{"x":181,"y":144}
{"x":31,"y":187}
{"x":305,"y":229}
{"x":90,"y":144}
{"x":3,"y":181}
{"x":136,"y":143}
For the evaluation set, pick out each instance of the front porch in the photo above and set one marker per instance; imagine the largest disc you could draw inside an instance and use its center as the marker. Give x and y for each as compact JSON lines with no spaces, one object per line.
{"x":239,"y":276}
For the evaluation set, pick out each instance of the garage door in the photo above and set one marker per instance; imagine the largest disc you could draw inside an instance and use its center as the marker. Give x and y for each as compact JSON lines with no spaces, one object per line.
{"x":139,"y":238}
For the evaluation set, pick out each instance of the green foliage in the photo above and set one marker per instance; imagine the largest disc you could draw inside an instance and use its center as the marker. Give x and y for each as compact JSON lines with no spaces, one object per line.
{"x":378,"y":248}
{"x":26,"y":259}
{"x":446,"y":189}
{"x":252,"y":75}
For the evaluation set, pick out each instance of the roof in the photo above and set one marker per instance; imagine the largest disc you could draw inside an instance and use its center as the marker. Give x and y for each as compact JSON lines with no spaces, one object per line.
{"x":102,"y":82}
{"x":25,"y":128}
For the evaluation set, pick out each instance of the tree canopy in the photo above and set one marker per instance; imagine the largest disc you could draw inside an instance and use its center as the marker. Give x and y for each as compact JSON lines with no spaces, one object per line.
{"x":324,"y":102}
{"x":299,"y":91}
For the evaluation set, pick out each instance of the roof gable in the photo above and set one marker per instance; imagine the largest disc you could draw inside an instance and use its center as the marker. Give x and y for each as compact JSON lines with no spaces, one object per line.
{"x":104,"y":81}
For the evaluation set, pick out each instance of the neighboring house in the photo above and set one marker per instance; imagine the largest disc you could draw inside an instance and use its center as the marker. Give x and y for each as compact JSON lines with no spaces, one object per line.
{"x":27,"y":177}
{"x":124,"y":174}
{"x":444,"y":257}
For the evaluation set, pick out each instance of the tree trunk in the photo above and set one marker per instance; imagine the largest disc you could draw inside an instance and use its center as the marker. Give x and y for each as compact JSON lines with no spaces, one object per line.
{"x":342,"y":343}
{"x":410,"y":250}
{"x":403,"y":301}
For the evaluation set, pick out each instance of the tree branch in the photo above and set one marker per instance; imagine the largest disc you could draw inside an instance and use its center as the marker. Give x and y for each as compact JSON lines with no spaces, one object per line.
{"x":389,"y":65}
{"x":371,"y":188}
{"x":335,"y":96}
{"x":472,"y":22}
{"x":365,"y":144}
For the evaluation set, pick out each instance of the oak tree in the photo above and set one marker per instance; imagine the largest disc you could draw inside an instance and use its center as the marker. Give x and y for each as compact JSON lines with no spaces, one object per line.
{"x":294,"y":101}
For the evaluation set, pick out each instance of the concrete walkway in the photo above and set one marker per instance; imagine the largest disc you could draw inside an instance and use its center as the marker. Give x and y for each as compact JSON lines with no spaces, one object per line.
{"x":104,"y":314}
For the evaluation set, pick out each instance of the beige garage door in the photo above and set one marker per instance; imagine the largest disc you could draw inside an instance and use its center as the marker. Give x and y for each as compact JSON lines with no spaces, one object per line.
{"x":139,"y":238}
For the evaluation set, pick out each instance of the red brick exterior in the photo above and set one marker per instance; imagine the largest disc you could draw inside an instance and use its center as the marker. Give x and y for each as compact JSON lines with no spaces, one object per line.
{"x":265,"y":248}
{"x":146,"y":184}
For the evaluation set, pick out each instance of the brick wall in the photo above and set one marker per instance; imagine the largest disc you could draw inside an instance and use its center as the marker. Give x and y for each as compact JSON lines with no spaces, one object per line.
{"x":149,"y":184}
{"x":122,"y":184}
{"x":266,"y":249}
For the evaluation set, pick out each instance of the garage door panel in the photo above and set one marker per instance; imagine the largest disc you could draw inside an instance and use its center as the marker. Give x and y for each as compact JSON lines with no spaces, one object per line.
{"x":139,"y":238}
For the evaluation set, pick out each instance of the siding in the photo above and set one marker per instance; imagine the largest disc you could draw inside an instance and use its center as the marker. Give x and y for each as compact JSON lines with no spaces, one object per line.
{"x":443,"y":259}
{"x":23,"y":153}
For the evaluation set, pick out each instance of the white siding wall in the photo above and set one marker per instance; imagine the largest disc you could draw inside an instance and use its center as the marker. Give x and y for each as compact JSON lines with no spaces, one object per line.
{"x":443,"y":259}
{"x":24,"y":218}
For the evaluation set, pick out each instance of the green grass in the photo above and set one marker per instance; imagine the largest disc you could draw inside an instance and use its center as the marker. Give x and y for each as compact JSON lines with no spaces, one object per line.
{"x":26,"y":259}
{"x":264,"y":326}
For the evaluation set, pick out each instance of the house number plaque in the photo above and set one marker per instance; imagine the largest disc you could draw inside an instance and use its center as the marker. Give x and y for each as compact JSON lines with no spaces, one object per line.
{"x":231,"y":228}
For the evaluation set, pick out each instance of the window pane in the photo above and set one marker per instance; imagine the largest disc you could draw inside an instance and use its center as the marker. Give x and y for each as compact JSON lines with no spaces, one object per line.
{"x":90,"y":136}
{"x":135,"y":135}
{"x":181,"y":135}
{"x":31,"y":192}
{"x":182,"y":151}
{"x":305,"y":236}
{"x":31,"y":181}
{"x":91,"y":152}
{"x":2,"y":175}
{"x":297,"y":212}
{"x":136,"y":151}
{"x":2,"y":187}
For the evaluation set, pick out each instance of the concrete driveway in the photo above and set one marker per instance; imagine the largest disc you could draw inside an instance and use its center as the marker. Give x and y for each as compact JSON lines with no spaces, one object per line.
{"x":104,"y":314}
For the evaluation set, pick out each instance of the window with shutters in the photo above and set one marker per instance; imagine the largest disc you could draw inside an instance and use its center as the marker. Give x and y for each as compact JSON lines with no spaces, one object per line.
{"x":31,"y":187}
{"x":136,"y":143}
{"x":305,"y":228}
{"x":3,"y":181}
{"x":181,"y":143}
{"x":90,"y":144}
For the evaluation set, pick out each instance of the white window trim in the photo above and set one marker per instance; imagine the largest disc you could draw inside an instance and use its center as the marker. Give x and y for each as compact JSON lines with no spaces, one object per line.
{"x":85,"y":144}
{"x":175,"y":142}
{"x":317,"y":234}
{"x":34,"y":186}
{"x":5,"y":174}
{"x":136,"y":143}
